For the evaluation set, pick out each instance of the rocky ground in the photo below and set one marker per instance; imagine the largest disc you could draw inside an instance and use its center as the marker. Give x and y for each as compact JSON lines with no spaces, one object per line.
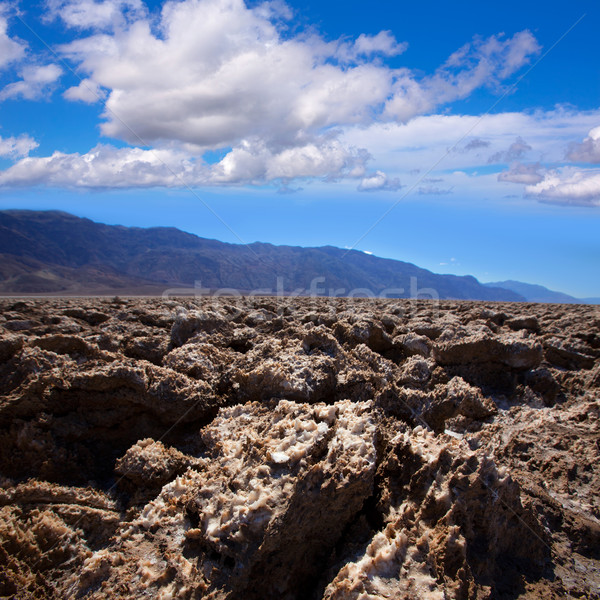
{"x":298,"y":448}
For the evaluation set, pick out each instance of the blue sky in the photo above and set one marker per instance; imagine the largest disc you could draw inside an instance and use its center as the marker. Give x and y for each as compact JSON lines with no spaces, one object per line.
{"x":463,"y":137}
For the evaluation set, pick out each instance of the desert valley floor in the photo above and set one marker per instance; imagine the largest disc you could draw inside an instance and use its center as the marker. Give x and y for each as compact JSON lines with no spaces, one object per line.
{"x":298,"y":448}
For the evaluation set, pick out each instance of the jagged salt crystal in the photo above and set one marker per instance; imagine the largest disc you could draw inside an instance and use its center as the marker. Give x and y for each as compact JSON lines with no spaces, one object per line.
{"x":279,"y":457}
{"x":454,"y":434}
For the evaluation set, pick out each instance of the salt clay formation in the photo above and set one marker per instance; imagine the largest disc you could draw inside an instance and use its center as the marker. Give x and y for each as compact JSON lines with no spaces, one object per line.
{"x":298,"y":448}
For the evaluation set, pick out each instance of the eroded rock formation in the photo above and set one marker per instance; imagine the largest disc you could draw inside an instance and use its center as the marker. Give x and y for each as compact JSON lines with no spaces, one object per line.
{"x":298,"y":449}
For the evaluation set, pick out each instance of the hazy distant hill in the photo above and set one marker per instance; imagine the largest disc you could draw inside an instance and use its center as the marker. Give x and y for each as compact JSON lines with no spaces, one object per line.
{"x":53,"y":252}
{"x":539,"y":293}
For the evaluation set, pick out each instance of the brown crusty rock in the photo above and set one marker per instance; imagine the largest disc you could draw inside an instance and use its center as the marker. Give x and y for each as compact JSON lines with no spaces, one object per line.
{"x":568,"y":354}
{"x":300,"y":448}
{"x":452,"y":521}
{"x":255,"y":520}
{"x":9,"y":345}
{"x":510,"y":351}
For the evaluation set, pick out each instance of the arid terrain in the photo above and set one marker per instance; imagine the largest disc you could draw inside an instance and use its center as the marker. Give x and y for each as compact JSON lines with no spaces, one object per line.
{"x":287,"y":448}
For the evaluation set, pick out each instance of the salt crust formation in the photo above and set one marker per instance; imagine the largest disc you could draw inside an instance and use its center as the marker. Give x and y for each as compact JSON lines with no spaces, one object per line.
{"x":298,"y":449}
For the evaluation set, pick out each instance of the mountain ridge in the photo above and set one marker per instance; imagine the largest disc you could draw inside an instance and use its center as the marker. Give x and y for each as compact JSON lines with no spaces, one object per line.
{"x":55,"y":252}
{"x":538,"y":293}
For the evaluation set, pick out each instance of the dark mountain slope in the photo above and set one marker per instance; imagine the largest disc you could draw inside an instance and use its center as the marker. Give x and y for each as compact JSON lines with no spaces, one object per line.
{"x":45,"y":252}
{"x":535,"y":293}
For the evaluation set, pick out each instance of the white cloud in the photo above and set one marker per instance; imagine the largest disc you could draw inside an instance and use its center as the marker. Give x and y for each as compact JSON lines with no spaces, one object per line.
{"x":35,"y":79}
{"x":521,"y":173}
{"x":93,"y":14}
{"x":210,"y":74}
{"x":436,"y":141}
{"x":109,"y":167}
{"x":255,"y":162}
{"x":15,"y":147}
{"x":516,"y":150}
{"x":11,"y":49}
{"x":403,"y":152}
{"x":568,"y":186}
{"x":484,"y":62}
{"x":87,"y":91}
{"x":35,"y":83}
{"x":383,"y":43}
{"x":105,"y":167}
{"x":378,"y":181}
{"x":587,"y":151}
{"x":432,"y":147}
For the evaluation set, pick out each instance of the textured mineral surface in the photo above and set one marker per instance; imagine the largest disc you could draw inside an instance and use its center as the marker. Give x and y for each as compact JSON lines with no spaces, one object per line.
{"x":298,"y":448}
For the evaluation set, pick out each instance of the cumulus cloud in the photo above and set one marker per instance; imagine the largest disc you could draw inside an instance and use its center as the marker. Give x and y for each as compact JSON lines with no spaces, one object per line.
{"x":383,"y":43}
{"x":210,"y":74}
{"x":220,"y":72}
{"x":422,"y":146}
{"x":568,"y":186}
{"x":521,"y":173}
{"x":11,"y":49}
{"x":565,"y":185}
{"x":254,"y":162}
{"x":87,"y":91}
{"x":484,"y":62}
{"x":108,"y":167}
{"x":516,"y":150}
{"x":15,"y":147}
{"x":405,"y":149}
{"x":105,"y":167}
{"x":92,"y":14}
{"x":35,"y":82}
{"x":365,"y":47}
{"x":587,"y":151}
{"x":379,"y":181}
{"x":35,"y":79}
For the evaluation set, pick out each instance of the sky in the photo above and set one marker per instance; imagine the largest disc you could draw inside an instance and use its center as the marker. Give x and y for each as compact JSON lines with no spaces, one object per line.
{"x":463,"y":137}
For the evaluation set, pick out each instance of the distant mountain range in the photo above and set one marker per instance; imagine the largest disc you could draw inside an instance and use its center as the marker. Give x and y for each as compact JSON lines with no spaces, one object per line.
{"x":51,"y":252}
{"x":538,"y":293}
